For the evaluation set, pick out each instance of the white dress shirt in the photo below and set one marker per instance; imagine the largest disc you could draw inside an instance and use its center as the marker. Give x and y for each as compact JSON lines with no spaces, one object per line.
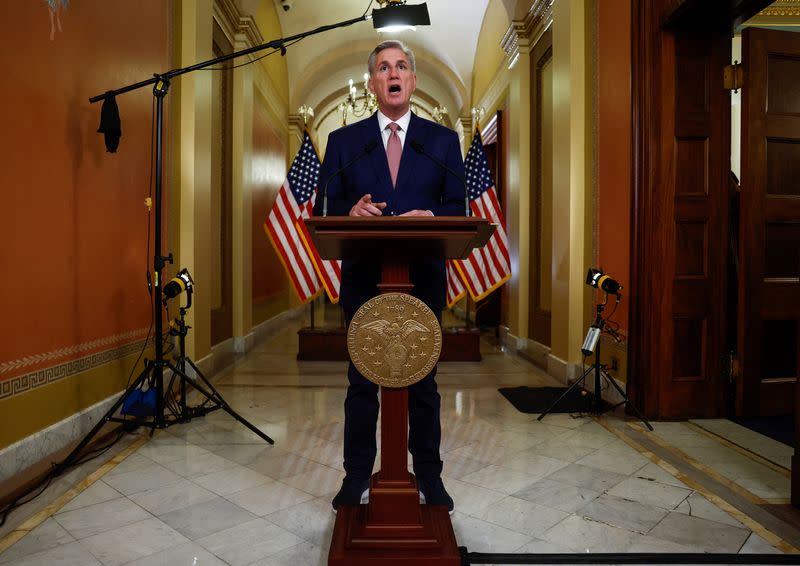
{"x":403,"y":122}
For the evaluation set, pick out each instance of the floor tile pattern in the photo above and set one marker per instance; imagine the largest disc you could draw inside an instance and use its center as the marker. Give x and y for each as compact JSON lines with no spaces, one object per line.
{"x":211,"y":492}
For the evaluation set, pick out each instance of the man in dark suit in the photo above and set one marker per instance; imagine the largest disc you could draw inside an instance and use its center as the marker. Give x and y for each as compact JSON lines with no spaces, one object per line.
{"x":387,"y":177}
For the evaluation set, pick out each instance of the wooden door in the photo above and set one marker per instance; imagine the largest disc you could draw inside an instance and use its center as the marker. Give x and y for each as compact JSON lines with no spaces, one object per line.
{"x":541,"y":210}
{"x":769,"y":277}
{"x":700,"y":139}
{"x":681,"y":164}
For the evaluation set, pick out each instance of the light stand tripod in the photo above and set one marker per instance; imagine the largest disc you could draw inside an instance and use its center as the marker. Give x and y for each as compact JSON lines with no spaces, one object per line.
{"x":214,"y":400}
{"x":592,"y":343}
{"x":153,"y":375}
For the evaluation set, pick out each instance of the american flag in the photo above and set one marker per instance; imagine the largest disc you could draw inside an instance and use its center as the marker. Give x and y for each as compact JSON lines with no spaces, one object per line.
{"x":455,"y":287}
{"x":488,"y":267}
{"x":284,"y":223}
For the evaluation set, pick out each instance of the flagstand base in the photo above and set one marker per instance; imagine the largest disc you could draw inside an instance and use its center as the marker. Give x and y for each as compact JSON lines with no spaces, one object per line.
{"x":322,"y":345}
{"x":459,"y":344}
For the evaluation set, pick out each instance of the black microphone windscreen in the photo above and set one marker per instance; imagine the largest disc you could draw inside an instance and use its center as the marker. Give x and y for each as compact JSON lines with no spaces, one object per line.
{"x":372,"y":144}
{"x":416,"y":146}
{"x":110,"y":123}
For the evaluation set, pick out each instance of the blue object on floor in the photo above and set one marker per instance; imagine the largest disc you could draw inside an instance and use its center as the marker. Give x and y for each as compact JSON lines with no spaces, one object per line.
{"x":140,"y":403}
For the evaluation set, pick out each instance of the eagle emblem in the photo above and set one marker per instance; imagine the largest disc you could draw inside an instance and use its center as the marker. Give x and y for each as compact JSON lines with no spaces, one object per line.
{"x":394,"y":340}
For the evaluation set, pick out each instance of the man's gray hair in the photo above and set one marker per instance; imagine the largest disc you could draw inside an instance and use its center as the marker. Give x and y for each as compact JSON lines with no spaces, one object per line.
{"x":391,"y":44}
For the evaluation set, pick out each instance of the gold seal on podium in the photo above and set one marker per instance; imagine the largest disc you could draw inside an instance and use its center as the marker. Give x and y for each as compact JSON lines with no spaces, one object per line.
{"x":394,"y":340}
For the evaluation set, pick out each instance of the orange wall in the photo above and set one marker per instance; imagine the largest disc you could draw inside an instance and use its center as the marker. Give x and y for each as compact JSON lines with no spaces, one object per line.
{"x":270,"y":284}
{"x":73,"y":221}
{"x":614,"y":146}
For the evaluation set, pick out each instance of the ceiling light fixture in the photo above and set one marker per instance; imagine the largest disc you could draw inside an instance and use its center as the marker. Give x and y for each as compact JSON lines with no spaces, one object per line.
{"x":398,"y":16}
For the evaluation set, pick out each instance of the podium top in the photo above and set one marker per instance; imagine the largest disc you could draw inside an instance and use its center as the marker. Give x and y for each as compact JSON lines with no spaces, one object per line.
{"x":446,"y":237}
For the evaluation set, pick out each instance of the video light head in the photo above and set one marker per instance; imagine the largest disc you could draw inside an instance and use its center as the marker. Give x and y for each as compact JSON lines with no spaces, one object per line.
{"x":181,"y":282}
{"x":599,"y":280}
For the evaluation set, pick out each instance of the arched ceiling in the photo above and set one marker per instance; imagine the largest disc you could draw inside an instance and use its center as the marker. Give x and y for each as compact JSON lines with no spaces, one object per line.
{"x":320,"y":65}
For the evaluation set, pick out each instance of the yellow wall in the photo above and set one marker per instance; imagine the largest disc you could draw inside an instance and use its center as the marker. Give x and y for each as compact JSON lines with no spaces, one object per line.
{"x":267,"y":78}
{"x":571,"y":144}
{"x":191,"y":214}
{"x":489,"y":56}
{"x":273,"y":66}
{"x":572,"y":160}
{"x":39,"y":408}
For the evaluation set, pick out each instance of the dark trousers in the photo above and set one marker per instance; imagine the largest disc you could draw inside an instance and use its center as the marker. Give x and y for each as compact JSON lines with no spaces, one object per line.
{"x":361,"y":418}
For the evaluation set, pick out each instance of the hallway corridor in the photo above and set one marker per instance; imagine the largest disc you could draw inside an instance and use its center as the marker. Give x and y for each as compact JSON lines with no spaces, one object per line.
{"x":210,"y":492}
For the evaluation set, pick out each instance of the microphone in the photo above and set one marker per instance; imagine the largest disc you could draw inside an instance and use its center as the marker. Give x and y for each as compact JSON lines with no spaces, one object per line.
{"x":368,"y":148}
{"x":419,"y":148}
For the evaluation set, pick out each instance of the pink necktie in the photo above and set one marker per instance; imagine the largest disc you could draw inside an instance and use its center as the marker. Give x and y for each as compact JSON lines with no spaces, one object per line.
{"x":394,"y":150}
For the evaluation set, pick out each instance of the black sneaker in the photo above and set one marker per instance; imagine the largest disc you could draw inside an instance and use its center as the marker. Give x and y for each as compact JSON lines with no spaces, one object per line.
{"x":352,"y":492}
{"x":432,"y":492}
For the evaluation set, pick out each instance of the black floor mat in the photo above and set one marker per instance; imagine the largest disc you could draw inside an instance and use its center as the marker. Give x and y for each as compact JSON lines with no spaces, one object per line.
{"x":539,"y":399}
{"x":777,"y":428}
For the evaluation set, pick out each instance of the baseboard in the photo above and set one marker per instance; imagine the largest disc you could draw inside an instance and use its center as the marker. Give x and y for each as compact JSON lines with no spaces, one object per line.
{"x":510,"y":342}
{"x":535,"y":352}
{"x":38,"y":446}
{"x":243,"y":344}
{"x":557,"y":368}
{"x":275,"y":324}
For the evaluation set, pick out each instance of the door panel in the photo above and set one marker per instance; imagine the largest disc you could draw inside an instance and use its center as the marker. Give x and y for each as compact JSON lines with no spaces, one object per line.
{"x":699,"y":138}
{"x":769,"y":286}
{"x":541,"y":213}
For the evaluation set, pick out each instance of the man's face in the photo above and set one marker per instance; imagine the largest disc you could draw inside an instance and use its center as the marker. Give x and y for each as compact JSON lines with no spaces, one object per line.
{"x":393,"y":82}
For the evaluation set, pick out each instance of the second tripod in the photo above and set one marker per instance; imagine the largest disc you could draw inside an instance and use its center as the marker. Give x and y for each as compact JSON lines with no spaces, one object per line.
{"x":592,"y":343}
{"x":153,"y":414}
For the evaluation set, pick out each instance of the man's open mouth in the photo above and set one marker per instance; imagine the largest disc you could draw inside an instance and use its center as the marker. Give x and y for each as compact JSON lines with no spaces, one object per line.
{"x":394,"y":88}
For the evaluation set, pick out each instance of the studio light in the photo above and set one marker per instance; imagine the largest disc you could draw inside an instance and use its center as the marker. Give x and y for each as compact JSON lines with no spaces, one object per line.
{"x":178,"y":284}
{"x":398,"y":16}
{"x":599,"y":280}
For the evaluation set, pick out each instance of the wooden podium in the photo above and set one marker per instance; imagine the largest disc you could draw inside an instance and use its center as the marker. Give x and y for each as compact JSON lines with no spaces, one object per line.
{"x":394,"y":528}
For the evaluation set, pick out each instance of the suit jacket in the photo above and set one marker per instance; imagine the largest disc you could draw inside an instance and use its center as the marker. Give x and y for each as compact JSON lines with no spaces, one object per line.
{"x":421,"y":184}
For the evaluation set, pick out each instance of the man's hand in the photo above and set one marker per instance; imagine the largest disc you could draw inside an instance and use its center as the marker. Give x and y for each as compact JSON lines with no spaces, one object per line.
{"x":417,"y":213}
{"x":365,"y":207}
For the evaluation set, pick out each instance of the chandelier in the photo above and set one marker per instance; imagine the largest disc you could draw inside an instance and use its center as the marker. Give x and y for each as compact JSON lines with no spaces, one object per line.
{"x":438,"y":113}
{"x":365,"y":103}
{"x":359,"y":105}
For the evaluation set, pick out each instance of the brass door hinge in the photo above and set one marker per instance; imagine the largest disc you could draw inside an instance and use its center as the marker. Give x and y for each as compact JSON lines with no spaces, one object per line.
{"x":733,"y":76}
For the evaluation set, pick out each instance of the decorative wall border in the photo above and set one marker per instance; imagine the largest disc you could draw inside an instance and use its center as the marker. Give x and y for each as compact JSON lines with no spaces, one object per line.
{"x":45,"y":376}
{"x":37,"y":359}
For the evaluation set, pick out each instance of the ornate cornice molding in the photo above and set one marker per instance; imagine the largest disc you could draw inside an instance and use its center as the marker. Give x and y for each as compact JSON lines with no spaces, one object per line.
{"x":522,"y":34}
{"x":782,"y":9}
{"x":238,"y":27}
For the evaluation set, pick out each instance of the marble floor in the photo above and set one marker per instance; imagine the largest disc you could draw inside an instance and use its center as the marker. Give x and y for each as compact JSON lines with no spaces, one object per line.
{"x":211,"y":492}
